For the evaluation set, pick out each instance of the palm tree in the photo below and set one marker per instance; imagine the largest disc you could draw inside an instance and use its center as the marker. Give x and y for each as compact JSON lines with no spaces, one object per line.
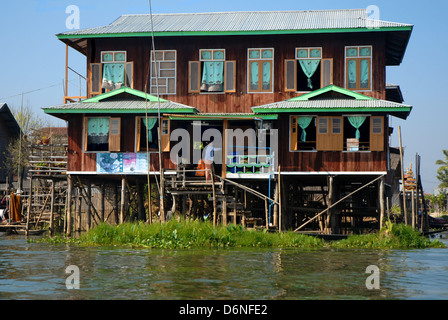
{"x":442,"y":172}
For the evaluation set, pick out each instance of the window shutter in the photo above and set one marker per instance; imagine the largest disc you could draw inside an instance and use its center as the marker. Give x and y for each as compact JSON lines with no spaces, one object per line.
{"x":230,"y":76}
{"x":337,"y":134}
{"x":293,"y":128}
{"x":322,"y":135}
{"x":194,"y":79}
{"x":129,"y":81}
{"x":165,"y":137}
{"x":326,"y":72}
{"x":139,"y":130}
{"x":95,"y":78}
{"x":376,"y":133}
{"x":290,"y":75}
{"x":86,"y":129}
{"x":114,"y":134}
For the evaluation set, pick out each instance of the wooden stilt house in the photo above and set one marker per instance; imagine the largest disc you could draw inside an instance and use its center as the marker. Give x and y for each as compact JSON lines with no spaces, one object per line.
{"x":297,"y":101}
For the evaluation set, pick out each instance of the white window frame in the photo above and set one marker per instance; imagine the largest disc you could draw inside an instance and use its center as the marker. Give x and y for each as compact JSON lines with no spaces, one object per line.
{"x":212,"y":59}
{"x":159,"y":77}
{"x":258,"y":59}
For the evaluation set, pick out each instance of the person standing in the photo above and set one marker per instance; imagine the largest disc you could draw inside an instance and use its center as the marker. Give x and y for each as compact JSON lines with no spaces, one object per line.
{"x":209,"y":154}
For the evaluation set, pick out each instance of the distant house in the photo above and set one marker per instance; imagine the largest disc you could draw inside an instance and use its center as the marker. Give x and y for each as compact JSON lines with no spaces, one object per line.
{"x":9,"y":130}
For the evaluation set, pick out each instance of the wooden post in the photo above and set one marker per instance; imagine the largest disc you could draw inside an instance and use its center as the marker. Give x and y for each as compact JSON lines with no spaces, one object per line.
{"x":103,"y":201}
{"x":214,"y":197}
{"x":79,"y":213}
{"x":266,"y":208}
{"x":52,"y":208}
{"x":224,"y":206}
{"x":30,"y":203}
{"x":116,"y":206}
{"x":329,"y":225}
{"x":381,"y":199}
{"x":413,"y":208}
{"x":89,"y":205}
{"x":276,"y":196}
{"x":280,"y":213}
{"x":69,"y":206}
{"x":402,"y":177}
{"x":66,"y":73}
{"x":123,"y":199}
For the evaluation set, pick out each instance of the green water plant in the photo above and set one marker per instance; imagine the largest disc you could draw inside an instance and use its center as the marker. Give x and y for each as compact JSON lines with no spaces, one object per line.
{"x":199,"y":234}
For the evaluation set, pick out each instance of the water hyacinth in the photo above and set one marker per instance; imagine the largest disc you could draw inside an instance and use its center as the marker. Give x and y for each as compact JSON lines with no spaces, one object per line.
{"x":177,"y":234}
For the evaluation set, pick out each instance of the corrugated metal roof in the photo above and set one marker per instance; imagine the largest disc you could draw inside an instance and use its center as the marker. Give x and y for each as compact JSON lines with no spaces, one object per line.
{"x":119,"y":105}
{"x":333,"y":104}
{"x":240,"y":21}
{"x":336,"y":105}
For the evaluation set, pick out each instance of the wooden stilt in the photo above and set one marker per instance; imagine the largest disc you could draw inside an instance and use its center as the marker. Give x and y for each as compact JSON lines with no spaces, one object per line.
{"x":69,"y":206}
{"x":413,"y":209}
{"x":103,"y":201}
{"x":140,"y":204}
{"x":276,"y":196}
{"x":30,"y":203}
{"x":89,"y":205}
{"x":123,"y":199}
{"x":212,"y":174}
{"x":402,"y":178}
{"x":51,"y":227}
{"x":382,"y":201}
{"x":280,"y":212}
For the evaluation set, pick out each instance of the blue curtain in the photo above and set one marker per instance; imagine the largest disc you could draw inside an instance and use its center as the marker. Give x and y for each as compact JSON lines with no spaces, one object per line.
{"x":266,"y":75}
{"x":213,"y":76}
{"x":303,"y":123}
{"x":365,"y":72}
{"x":149,"y":126}
{"x":113,"y":75}
{"x":356,"y":122}
{"x":98,"y":134}
{"x":351,"y":74}
{"x":254,"y":75}
{"x":309,"y":67}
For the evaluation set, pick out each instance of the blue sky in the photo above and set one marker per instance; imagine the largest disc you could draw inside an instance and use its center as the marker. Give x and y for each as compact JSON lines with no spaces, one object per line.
{"x":32,"y":60}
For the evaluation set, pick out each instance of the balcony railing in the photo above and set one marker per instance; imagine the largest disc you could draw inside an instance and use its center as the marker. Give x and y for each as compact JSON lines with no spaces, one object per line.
{"x":245,"y":162}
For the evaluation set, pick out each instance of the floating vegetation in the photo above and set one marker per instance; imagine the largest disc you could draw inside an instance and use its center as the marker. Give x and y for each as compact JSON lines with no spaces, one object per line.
{"x":198,"y":234}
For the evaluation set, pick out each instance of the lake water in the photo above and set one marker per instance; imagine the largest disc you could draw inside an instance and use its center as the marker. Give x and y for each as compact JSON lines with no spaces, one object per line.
{"x":34,"y":271}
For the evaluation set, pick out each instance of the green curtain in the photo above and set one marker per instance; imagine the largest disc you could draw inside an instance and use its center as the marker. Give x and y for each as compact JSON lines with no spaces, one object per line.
{"x":254,"y":75}
{"x":365,"y":74}
{"x":356,"y":122}
{"x":98,"y":134}
{"x":309,"y":67}
{"x":266,"y":75}
{"x":98,"y":127}
{"x":351,"y":74}
{"x":303,"y":123}
{"x":213,"y":76}
{"x":113,"y":75}
{"x":149,"y":126}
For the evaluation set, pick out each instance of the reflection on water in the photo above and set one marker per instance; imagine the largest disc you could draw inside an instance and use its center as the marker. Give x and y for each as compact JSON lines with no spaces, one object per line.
{"x":37,"y":271}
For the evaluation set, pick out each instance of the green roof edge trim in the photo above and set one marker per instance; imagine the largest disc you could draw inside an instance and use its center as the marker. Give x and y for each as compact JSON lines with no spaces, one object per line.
{"x":227,"y":33}
{"x":353,"y":94}
{"x":134,"y":92}
{"x":116,"y":111}
{"x":316,"y":110}
{"x":223,"y":117}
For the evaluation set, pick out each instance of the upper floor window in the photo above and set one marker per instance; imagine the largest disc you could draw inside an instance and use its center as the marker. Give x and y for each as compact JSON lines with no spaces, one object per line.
{"x":112,"y":73}
{"x":358,"y":63}
{"x":212,"y":73}
{"x":163,"y":72}
{"x":260,"y":70}
{"x":308,"y":70}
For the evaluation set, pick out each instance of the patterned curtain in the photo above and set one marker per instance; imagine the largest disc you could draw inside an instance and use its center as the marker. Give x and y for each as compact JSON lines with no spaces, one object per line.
{"x":113,"y":75}
{"x":309,"y":67}
{"x":213,"y":76}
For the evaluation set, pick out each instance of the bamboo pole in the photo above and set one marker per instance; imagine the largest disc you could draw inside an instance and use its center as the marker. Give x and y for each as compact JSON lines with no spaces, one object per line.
{"x":339,"y":201}
{"x":30,"y":202}
{"x":402,"y":177}
{"x":413,"y":208}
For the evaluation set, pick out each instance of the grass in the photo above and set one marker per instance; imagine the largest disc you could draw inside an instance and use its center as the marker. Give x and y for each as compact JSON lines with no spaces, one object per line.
{"x":197,"y":234}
